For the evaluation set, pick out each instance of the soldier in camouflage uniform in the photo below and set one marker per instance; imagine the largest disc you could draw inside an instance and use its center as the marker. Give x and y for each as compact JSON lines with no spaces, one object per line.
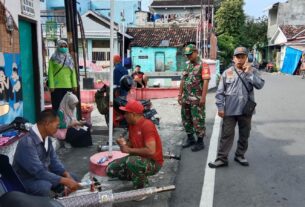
{"x":192,"y":96}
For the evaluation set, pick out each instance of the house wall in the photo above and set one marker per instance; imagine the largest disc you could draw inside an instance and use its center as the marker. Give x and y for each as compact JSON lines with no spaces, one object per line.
{"x":10,"y":53}
{"x":129,"y":7}
{"x":181,"y":12}
{"x":97,"y":35}
{"x":291,"y":13}
{"x":280,"y":38}
{"x":146,"y":58}
{"x":272,"y":23}
{"x":288,"y":13}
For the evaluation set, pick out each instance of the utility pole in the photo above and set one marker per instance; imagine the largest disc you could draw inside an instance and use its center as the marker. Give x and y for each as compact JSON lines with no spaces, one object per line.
{"x":71,"y":20}
{"x":111,"y":79}
{"x":123,"y":34}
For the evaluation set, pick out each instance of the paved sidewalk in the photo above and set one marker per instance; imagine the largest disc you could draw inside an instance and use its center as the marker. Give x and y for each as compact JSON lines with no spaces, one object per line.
{"x":171,"y":132}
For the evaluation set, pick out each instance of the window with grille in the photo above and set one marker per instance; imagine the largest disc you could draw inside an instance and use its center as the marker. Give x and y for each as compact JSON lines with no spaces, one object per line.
{"x":101,"y":56}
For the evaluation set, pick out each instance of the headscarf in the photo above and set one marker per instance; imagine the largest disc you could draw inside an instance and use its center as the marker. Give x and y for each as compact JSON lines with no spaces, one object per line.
{"x":60,"y":57}
{"x":67,"y":106}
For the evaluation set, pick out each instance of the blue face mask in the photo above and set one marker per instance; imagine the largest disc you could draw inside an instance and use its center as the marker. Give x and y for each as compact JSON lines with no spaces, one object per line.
{"x":63,"y":50}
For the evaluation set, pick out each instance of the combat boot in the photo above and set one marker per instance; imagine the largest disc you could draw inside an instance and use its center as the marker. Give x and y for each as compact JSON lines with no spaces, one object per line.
{"x":199,"y":145}
{"x":190,"y":141}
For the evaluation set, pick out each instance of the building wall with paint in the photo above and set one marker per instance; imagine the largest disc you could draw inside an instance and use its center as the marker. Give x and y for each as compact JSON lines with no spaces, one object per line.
{"x":155,"y":59}
{"x":12,"y":82}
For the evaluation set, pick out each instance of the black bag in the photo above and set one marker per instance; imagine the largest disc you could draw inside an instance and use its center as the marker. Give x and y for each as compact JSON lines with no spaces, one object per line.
{"x":249,"y":108}
{"x":79,"y":137}
{"x":102,"y":99}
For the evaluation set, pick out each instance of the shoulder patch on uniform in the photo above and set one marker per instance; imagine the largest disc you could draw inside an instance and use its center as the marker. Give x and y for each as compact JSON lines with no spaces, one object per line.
{"x":205,"y":71}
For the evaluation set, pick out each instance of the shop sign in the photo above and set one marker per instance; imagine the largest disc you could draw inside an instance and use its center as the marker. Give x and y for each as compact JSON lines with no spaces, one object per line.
{"x":27,"y":8}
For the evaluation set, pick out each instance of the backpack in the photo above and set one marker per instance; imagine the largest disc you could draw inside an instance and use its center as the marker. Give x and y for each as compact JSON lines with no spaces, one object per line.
{"x":102,"y":99}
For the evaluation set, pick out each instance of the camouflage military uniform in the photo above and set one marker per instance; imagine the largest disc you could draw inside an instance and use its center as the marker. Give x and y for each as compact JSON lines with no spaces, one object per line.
{"x":134,"y":168}
{"x":193,"y":116}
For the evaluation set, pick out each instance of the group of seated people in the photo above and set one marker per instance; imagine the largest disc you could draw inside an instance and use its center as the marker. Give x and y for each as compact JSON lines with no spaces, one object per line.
{"x":41,"y":172}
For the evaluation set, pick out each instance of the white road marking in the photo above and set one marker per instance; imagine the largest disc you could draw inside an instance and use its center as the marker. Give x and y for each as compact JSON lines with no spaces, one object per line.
{"x":207,"y":195}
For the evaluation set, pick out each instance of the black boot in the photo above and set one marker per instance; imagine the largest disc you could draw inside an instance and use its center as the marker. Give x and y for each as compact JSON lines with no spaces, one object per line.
{"x":190,"y":141}
{"x":199,"y":145}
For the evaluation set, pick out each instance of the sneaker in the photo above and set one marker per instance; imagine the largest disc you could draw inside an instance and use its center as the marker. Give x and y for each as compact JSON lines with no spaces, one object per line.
{"x":198,"y":146}
{"x":241,"y":160}
{"x":218,"y":163}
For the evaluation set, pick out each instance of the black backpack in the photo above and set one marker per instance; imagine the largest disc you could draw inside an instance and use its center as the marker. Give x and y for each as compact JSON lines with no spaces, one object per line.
{"x":102,"y":99}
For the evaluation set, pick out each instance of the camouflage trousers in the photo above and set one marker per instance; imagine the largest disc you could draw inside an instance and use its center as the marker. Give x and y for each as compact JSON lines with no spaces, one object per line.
{"x":193,"y":119}
{"x":133,"y":168}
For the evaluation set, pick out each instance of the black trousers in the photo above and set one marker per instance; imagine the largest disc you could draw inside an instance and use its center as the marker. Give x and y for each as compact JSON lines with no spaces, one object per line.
{"x":228,"y":133}
{"x":57,"y":95}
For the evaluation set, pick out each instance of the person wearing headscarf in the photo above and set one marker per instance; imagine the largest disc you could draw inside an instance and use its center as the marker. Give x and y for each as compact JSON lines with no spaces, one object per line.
{"x":77,"y":133}
{"x":61,"y":74}
{"x":67,"y":111}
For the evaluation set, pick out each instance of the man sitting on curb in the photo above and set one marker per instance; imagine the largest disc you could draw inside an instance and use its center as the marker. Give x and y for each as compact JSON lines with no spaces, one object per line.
{"x":36,"y":162}
{"x":139,"y":77}
{"x":144,"y":148}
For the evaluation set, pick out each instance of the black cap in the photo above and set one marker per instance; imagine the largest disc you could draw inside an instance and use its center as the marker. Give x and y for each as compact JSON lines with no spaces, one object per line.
{"x":240,"y":51}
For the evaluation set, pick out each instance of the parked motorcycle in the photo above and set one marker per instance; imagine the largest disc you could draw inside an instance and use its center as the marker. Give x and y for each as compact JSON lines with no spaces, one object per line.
{"x":102,"y":102}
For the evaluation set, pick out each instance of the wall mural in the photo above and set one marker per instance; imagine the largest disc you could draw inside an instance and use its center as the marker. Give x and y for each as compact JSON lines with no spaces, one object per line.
{"x":11,"y":104}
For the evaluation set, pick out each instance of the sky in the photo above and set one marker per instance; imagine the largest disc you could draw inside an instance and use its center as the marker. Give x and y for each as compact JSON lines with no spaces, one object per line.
{"x":255,"y":7}
{"x":252,"y":8}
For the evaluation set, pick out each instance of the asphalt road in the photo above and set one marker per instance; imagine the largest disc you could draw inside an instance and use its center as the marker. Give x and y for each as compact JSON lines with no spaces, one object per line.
{"x":276,"y":154}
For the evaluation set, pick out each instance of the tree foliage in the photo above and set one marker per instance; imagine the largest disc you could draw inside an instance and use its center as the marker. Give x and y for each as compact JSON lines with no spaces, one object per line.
{"x":229,"y":19}
{"x":226,"y":44}
{"x":255,"y":32}
{"x":234,"y":29}
{"x":217,"y":4}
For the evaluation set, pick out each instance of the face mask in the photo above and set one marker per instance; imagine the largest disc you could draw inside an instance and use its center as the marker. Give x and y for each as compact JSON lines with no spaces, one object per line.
{"x":63,"y":50}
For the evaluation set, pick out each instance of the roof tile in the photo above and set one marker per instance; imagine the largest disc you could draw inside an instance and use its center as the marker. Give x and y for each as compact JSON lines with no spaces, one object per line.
{"x":290,"y":31}
{"x":152,"y":37}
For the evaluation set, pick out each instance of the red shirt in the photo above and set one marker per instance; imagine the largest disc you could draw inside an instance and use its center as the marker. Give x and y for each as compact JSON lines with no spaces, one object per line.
{"x":143,"y":132}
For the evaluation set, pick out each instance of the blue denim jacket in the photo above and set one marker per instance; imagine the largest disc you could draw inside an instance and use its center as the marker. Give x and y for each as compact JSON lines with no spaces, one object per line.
{"x":33,"y":162}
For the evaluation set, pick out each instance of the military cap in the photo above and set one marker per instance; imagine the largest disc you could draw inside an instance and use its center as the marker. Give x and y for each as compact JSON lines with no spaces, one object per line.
{"x":190,"y":49}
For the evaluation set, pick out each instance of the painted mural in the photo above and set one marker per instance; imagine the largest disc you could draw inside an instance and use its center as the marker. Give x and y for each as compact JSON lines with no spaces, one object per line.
{"x":11,"y":104}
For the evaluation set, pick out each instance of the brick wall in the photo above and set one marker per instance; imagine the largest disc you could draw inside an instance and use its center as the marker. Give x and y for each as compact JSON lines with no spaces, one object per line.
{"x":9,"y":42}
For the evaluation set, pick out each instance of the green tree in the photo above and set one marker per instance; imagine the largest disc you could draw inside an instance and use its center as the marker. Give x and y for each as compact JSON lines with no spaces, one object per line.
{"x":255,"y":32}
{"x":217,"y":4}
{"x":226,"y":44}
{"x":230,"y":20}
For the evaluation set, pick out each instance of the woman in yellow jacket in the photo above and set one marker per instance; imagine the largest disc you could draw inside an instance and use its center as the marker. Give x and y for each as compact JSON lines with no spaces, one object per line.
{"x":61,"y":74}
